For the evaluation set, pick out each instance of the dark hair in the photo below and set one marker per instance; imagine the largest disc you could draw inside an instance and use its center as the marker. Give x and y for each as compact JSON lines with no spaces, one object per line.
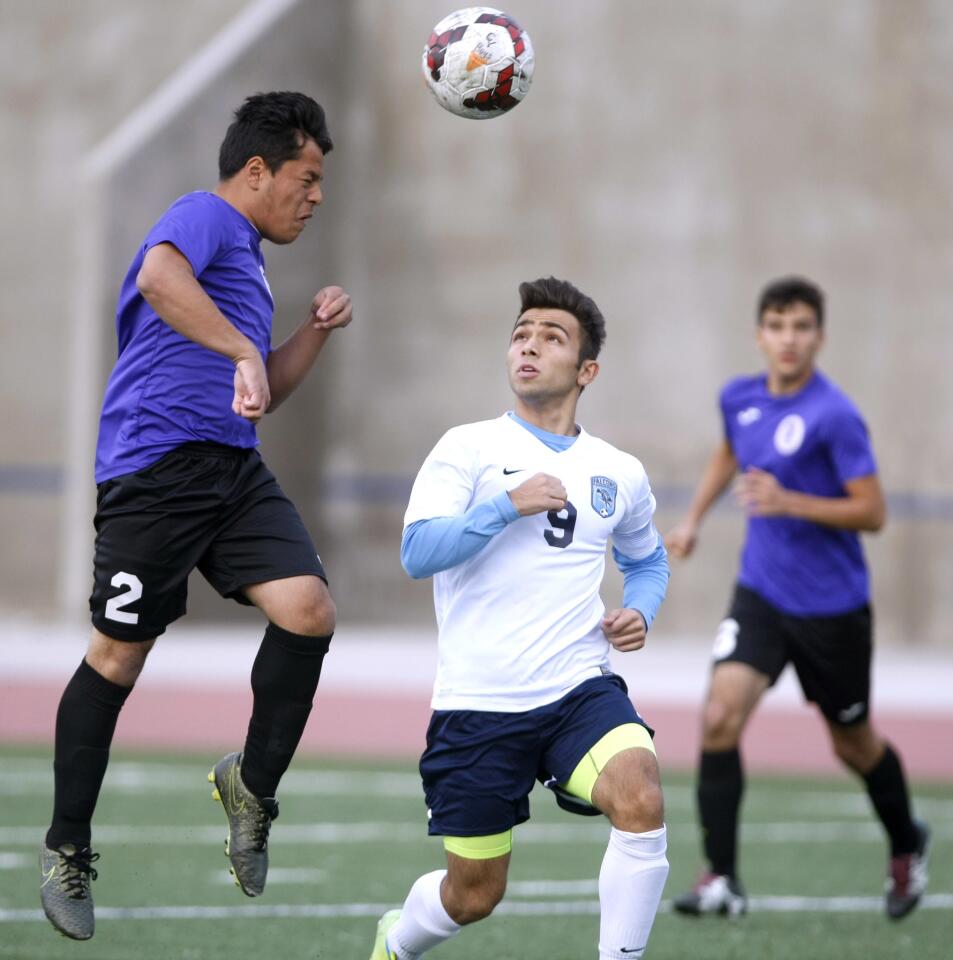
{"x":273,"y":126}
{"x":783,"y":293}
{"x":552,"y":294}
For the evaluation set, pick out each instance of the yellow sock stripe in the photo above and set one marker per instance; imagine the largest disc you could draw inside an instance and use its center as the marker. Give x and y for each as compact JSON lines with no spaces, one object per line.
{"x":480,"y":848}
{"x":620,"y":738}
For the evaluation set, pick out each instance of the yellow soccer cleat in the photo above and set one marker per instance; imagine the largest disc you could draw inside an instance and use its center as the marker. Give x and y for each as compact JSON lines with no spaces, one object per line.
{"x":381,"y":951}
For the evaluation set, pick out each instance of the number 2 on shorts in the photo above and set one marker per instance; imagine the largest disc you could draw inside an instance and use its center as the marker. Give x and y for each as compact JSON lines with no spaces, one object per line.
{"x":114,"y":606}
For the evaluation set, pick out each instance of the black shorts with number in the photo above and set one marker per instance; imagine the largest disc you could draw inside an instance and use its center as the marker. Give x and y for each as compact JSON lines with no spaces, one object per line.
{"x":830,"y":654}
{"x":202,"y":505}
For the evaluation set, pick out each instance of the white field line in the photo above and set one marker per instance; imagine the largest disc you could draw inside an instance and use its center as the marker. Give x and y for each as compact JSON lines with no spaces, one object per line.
{"x":29,"y":777}
{"x":407,"y":832}
{"x":35,"y":777}
{"x":337,"y":911}
{"x":16,"y":861}
{"x":284,"y":875}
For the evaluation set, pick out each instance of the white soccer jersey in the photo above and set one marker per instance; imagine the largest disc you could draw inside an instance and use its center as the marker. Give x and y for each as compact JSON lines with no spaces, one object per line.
{"x":520,"y":622}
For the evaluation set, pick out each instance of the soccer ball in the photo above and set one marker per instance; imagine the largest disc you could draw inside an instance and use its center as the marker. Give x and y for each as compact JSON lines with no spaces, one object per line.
{"x":478,"y":62}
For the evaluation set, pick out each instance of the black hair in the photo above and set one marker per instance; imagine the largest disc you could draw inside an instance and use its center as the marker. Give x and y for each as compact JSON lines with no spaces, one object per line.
{"x":783,"y":293}
{"x":273,"y":126}
{"x":548,"y":293}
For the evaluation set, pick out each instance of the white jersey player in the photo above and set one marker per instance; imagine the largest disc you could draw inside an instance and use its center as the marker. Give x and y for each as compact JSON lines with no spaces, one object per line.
{"x":512,"y":518}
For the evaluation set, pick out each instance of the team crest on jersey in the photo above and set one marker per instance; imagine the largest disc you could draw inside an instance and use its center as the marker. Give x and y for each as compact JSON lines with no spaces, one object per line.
{"x":789,"y":434}
{"x":604,"y":493}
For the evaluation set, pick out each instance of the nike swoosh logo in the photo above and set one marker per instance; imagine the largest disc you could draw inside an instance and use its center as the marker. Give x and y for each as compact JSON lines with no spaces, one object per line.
{"x":633,"y":950}
{"x":517,"y":470}
{"x":851,"y":713}
{"x":48,"y":876}
{"x":233,"y":803}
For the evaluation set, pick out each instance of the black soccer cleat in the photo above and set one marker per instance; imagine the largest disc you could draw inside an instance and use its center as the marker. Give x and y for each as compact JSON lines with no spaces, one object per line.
{"x":249,"y":821}
{"x":64,"y":892}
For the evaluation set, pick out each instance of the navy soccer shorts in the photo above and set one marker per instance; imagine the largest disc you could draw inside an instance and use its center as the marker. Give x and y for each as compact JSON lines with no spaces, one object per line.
{"x":480,"y":766}
{"x":202,"y":505}
{"x":832,"y":655}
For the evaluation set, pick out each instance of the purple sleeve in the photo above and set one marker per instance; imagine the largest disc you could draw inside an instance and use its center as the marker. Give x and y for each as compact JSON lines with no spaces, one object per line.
{"x":193,"y":227}
{"x":850,"y":447}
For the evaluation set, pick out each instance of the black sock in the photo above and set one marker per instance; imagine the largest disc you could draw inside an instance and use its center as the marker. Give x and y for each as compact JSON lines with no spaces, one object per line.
{"x":85,"y":723}
{"x":283,"y":679}
{"x":720,"y":786}
{"x":887,"y":789}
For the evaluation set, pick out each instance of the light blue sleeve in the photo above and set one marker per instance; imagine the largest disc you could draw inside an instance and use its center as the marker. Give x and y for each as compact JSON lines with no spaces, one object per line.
{"x":645,"y":581}
{"x":429,"y":546}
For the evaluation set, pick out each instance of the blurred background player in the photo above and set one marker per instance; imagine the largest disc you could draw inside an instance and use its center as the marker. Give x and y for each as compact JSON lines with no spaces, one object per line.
{"x":808,"y":482}
{"x":180,"y":485}
{"x":512,"y":517}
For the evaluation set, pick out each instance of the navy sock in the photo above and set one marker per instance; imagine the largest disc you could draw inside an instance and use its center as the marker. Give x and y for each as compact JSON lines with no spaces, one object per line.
{"x":887,"y":789}
{"x":720,"y":788}
{"x":284,"y":678}
{"x":85,"y":723}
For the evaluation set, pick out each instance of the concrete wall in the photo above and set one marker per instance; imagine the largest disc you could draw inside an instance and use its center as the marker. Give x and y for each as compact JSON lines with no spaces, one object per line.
{"x":670,"y":158}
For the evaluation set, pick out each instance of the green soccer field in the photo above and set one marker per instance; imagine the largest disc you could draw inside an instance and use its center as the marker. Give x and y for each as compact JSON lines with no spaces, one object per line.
{"x":351,"y":839}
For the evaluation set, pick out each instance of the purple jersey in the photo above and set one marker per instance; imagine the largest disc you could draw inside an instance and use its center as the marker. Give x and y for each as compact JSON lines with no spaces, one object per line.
{"x":813,"y":441}
{"x":165,"y":389}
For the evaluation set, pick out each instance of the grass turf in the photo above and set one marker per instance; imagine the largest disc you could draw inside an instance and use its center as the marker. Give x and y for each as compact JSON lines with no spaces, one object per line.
{"x":351,"y":839}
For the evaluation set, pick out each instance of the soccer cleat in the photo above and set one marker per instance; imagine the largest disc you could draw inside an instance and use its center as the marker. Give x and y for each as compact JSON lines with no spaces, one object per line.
{"x":381,"y":951}
{"x":907,"y":876}
{"x":67,"y":901}
{"x":249,"y":820}
{"x":713,"y":893}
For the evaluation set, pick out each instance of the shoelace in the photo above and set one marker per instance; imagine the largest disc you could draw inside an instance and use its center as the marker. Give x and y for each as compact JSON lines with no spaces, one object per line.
{"x":264,"y":814}
{"x":79,"y":872}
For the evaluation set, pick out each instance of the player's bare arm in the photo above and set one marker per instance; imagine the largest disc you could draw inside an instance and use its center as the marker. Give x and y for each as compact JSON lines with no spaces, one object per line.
{"x":760,"y":494}
{"x":625,"y":629}
{"x":539,"y":494}
{"x":722,"y":466}
{"x":169,"y":286}
{"x":289,"y":363}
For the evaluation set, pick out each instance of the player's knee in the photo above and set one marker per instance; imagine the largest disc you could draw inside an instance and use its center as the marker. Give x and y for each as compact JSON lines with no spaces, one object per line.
{"x":721,"y":726}
{"x":860,"y":754}
{"x":314,"y":616}
{"x":472,"y":903}
{"x":119,"y":661}
{"x":637,"y":809}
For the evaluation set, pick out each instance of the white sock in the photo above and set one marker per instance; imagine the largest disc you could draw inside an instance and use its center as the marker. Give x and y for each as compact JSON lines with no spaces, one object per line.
{"x":423,"y":923}
{"x":630,"y":887}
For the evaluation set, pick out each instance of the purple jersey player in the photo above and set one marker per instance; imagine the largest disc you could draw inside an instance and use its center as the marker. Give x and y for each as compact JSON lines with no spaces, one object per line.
{"x":181,"y":486}
{"x":804,"y":471}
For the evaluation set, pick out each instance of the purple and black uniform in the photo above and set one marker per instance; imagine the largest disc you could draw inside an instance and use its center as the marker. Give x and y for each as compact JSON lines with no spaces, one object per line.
{"x":180,"y":482}
{"x":803,"y":589}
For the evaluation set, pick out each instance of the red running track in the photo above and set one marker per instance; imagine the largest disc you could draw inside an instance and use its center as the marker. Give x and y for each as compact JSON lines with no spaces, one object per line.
{"x":347,"y":724}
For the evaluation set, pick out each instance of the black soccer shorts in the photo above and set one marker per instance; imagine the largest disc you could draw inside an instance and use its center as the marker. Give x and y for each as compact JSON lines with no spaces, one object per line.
{"x":832,"y":655}
{"x":202,"y":505}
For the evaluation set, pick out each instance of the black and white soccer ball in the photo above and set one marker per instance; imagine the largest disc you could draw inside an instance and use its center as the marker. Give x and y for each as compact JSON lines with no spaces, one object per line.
{"x":478,"y":62}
